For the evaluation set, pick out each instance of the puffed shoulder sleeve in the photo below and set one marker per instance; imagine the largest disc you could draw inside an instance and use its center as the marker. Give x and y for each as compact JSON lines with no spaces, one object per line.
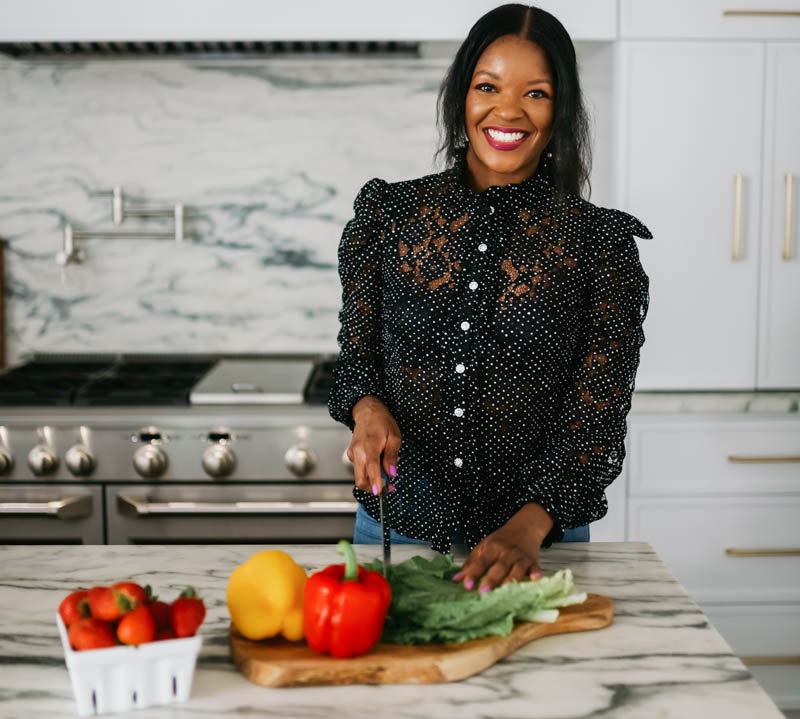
{"x":358,"y":371}
{"x":585,"y":448}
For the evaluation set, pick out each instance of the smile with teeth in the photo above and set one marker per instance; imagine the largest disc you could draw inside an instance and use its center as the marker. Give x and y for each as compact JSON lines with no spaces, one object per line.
{"x":506,"y":136}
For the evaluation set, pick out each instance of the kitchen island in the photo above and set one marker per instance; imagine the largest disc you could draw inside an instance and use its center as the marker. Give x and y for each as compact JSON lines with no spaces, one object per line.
{"x":660,"y":658}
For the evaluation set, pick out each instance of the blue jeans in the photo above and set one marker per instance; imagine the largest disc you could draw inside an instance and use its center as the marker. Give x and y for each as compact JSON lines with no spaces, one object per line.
{"x":368,"y":531}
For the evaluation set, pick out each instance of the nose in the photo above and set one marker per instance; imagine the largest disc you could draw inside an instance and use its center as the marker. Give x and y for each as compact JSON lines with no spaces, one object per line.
{"x":509,"y":107}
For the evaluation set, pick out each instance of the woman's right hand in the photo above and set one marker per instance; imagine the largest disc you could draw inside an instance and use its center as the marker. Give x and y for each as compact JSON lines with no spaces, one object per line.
{"x":375,"y":433}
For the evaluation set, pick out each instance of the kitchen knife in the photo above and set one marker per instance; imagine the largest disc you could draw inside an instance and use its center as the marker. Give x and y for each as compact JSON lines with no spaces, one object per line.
{"x":385,"y":529}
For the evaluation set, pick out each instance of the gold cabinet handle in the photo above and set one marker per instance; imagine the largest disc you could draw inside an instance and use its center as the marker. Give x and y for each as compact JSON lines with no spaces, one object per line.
{"x":762,"y":552}
{"x":741,"y":459}
{"x":762,"y":13}
{"x":737,"y":219}
{"x":787,"y":228}
{"x":773,"y":661}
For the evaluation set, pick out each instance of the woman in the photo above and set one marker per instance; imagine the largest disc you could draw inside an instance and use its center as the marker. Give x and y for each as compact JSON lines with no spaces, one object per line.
{"x":492,"y":318}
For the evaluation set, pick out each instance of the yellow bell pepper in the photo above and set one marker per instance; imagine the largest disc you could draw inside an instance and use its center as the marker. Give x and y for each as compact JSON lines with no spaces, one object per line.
{"x":265,"y":596}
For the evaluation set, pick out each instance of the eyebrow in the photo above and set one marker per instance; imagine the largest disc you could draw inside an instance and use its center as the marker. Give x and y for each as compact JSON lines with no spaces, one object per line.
{"x":497,"y":77}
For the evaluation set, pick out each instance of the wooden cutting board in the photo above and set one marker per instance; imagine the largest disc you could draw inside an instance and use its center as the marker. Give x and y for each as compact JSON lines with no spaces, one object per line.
{"x":280,"y":663}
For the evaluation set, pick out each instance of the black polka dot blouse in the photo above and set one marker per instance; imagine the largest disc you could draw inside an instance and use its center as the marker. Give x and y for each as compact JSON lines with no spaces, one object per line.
{"x":502,"y":330}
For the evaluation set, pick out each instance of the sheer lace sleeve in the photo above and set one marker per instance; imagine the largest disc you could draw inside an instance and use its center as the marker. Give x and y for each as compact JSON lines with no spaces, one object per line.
{"x":584,"y":451}
{"x":358,"y":370}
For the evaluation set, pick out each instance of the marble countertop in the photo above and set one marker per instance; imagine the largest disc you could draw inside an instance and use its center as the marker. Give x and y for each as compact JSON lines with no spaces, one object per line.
{"x":660,"y":658}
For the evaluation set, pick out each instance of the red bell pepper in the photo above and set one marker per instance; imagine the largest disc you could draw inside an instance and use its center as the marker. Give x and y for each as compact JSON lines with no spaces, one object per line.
{"x":344,"y":607}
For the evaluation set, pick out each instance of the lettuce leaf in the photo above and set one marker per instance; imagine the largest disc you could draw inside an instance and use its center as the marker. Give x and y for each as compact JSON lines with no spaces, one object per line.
{"x":427,"y":606}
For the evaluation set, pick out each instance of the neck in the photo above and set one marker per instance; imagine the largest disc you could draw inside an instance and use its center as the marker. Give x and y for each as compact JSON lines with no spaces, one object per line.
{"x":479,"y":176}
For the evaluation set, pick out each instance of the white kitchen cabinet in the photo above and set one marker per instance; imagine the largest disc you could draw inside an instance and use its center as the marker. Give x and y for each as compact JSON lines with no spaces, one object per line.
{"x":717,"y":19}
{"x":729,"y":531}
{"x":154,"y":20}
{"x":690,"y":124}
{"x":779,"y":307}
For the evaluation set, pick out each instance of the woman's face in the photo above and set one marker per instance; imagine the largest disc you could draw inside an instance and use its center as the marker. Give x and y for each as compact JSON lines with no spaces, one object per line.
{"x":509,"y":112}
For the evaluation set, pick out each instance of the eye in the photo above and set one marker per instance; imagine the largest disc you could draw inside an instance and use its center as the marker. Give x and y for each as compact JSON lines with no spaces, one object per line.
{"x":543,"y":93}
{"x":483,"y":84}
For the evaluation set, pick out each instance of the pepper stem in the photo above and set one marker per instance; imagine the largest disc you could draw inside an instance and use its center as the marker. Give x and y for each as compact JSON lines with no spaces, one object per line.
{"x":351,"y":563}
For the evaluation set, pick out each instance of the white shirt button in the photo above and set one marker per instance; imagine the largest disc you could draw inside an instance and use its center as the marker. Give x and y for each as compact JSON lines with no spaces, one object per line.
{"x":491,"y":209}
{"x":473,"y":285}
{"x":458,"y":461}
{"x":458,"y":412}
{"x":465,"y":326}
{"x":460,"y":368}
{"x":482,"y":247}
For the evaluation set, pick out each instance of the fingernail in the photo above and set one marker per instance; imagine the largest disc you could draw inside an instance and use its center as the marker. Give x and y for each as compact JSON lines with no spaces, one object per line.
{"x":392,"y":470}
{"x":536,"y":575}
{"x":392,"y":488}
{"x":485,"y":588}
{"x":469,"y":584}
{"x":375,"y":489}
{"x":458,"y":576}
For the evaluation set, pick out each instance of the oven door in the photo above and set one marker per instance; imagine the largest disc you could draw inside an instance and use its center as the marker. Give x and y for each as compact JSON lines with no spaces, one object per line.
{"x":52,"y":514}
{"x":232,"y":514}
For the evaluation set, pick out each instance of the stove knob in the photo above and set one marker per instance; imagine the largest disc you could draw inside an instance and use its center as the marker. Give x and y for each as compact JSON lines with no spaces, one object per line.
{"x":300,"y":460}
{"x":79,"y":460}
{"x":42,"y":461}
{"x":219,"y":460}
{"x":6,"y":462}
{"x":150,"y":461}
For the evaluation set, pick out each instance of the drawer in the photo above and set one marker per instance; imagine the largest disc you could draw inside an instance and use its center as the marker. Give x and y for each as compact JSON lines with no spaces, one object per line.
{"x":737,"y":455}
{"x":677,"y":19}
{"x":765,"y":631}
{"x":692,"y":534}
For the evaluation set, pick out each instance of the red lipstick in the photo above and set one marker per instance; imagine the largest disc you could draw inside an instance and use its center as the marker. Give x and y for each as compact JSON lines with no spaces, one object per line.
{"x":498,"y":144}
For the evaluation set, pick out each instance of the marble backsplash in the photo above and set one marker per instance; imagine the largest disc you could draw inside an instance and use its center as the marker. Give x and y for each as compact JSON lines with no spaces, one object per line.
{"x":267,"y":157}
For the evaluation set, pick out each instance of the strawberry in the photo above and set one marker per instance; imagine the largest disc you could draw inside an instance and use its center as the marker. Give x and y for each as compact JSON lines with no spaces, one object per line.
{"x":75,"y":606}
{"x":106,"y":604}
{"x":165,"y":633}
{"x":187,"y":613}
{"x":160,"y":612}
{"x":137,"y":626}
{"x":135,"y":594}
{"x":91,"y":633}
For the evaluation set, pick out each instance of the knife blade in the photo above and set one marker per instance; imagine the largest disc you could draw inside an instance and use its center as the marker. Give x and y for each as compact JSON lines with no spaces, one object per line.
{"x":385,"y":529}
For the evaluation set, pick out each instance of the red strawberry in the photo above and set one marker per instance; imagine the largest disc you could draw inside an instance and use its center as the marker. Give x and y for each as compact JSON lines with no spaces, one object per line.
{"x":165,"y":633}
{"x":160,"y":612}
{"x":135,"y":594}
{"x":106,"y":604}
{"x":137,"y":627}
{"x":91,"y":633}
{"x":75,"y":606}
{"x":187,"y":613}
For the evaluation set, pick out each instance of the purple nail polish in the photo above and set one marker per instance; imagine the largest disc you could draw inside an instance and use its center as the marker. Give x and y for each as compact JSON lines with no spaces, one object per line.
{"x":392,"y":470}
{"x":485,"y":588}
{"x":375,"y":489}
{"x":392,"y":488}
{"x":469,"y":584}
{"x":457,"y":576}
{"x":536,"y":575}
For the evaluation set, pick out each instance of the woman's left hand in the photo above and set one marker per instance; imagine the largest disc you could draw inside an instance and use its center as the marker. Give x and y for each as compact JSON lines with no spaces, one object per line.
{"x":511,"y":552}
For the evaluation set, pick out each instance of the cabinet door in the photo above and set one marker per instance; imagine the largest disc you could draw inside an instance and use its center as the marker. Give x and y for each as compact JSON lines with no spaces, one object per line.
{"x":690,"y":123}
{"x":779,"y":315}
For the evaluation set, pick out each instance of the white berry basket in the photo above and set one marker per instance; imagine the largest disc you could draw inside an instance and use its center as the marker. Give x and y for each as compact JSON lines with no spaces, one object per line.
{"x":119,"y":679}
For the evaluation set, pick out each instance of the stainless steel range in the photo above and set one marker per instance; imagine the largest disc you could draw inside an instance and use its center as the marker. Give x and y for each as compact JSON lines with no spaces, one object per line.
{"x":143,"y":449}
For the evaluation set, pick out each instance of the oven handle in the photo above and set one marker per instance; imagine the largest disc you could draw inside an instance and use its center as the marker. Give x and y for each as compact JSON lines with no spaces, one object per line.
{"x":64,"y":508}
{"x":132,"y":507}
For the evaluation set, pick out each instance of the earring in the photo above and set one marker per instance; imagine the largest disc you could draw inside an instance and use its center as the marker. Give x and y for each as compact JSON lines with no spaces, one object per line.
{"x":549,"y":154}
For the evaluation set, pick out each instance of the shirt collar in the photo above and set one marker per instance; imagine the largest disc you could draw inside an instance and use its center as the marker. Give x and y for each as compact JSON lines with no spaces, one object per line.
{"x":535,"y":183}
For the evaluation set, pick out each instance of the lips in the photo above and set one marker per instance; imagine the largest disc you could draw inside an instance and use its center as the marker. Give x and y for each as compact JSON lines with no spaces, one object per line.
{"x":499,"y":144}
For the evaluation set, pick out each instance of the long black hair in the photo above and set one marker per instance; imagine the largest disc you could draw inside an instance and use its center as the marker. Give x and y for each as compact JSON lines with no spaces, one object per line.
{"x":568,"y":168}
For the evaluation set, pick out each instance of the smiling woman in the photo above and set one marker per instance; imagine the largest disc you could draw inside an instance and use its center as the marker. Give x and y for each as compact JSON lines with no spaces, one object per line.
{"x":491,"y":317}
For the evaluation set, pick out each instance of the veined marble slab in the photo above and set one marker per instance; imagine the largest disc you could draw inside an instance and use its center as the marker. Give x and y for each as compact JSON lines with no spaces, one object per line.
{"x":266,"y":154}
{"x":660,"y":658}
